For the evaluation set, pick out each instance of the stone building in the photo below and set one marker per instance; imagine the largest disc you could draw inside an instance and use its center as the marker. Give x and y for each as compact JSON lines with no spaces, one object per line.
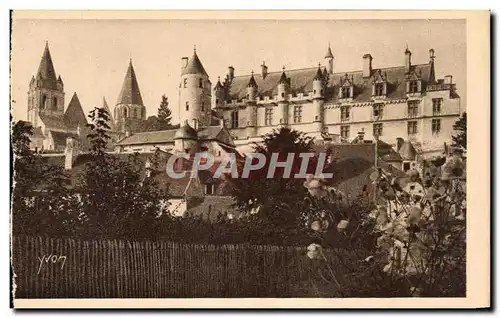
{"x":405,"y":101}
{"x":46,"y":112}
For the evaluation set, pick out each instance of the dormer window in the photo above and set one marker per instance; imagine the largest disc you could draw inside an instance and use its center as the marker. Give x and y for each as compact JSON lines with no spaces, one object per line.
{"x":379,"y":89}
{"x":346,"y":92}
{"x":413,"y":87}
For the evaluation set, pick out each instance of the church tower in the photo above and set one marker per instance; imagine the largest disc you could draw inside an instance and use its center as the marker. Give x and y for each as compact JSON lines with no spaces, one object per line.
{"x":194,"y":93}
{"x":46,"y":91}
{"x":129,"y":110}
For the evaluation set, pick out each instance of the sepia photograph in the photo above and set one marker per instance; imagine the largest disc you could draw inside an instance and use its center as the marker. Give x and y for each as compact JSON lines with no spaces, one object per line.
{"x":238,"y":156}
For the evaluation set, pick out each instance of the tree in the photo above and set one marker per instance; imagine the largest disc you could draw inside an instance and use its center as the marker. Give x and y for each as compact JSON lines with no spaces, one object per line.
{"x":279,"y":200}
{"x":460,"y":128}
{"x":164,"y":113}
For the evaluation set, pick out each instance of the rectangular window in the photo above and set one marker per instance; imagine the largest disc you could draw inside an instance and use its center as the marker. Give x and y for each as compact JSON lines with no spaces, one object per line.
{"x":436,"y":106}
{"x":412,"y":128}
{"x":202,"y":106}
{"x":413,"y":87}
{"x":234,"y":119}
{"x":297,"y":114}
{"x":413,"y":109}
{"x":344,"y":131}
{"x":185,"y":82}
{"x":379,"y":89}
{"x":344,"y":113}
{"x":269,"y":117}
{"x":436,"y":126}
{"x":378,"y":111}
{"x":346,"y":92}
{"x":377,"y":129}
{"x":187,"y":105}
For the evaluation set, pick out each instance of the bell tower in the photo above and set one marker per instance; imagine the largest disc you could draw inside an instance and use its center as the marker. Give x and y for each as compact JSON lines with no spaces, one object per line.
{"x":46,"y":91}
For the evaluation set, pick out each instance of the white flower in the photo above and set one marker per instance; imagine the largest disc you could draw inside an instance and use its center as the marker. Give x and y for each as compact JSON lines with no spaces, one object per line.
{"x":313,"y":251}
{"x":341,"y":227}
{"x":316,"y":226}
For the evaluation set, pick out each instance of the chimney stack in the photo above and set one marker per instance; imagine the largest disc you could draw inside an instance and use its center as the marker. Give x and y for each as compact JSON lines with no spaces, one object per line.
{"x":184,"y":62}
{"x":407,"y":60}
{"x":231,"y":72}
{"x":264,"y":69}
{"x":448,"y":80}
{"x":367,"y":65}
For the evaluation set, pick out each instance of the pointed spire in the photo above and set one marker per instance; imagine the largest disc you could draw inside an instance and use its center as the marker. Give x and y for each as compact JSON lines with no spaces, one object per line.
{"x":74,"y":114}
{"x":329,"y":54}
{"x":319,"y":74}
{"x":252,"y":82}
{"x":194,"y":65}
{"x":46,"y":69}
{"x":283,"y":78}
{"x":407,"y":50}
{"x":130,"y":93}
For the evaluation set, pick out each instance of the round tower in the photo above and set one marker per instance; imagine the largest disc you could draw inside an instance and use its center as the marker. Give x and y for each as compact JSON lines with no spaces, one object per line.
{"x":186,"y":139}
{"x":252,"y":89}
{"x":195,"y":94}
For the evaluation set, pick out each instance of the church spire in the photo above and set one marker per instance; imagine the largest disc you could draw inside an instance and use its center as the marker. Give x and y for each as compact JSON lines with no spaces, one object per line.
{"x":46,"y":71}
{"x":130,"y":93}
{"x":194,"y":65}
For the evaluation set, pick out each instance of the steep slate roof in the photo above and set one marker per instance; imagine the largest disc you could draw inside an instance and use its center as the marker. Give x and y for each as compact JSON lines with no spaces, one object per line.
{"x":74,"y":114}
{"x":301,"y":81}
{"x":151,"y":137}
{"x":46,"y":69}
{"x":60,"y":137}
{"x":53,"y":122}
{"x":194,"y":66}
{"x":130,"y":93}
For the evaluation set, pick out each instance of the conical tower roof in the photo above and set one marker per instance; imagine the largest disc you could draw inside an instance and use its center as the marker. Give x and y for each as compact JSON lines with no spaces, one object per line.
{"x":194,"y":66}
{"x":74,"y":114}
{"x":218,"y":85}
{"x":319,"y":74}
{"x":130,"y":93}
{"x":46,"y":70}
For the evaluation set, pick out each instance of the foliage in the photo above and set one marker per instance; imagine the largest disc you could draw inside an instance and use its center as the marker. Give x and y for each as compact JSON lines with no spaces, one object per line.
{"x":278,"y":200}
{"x":161,"y":122}
{"x":460,"y":128}
{"x":420,"y":238}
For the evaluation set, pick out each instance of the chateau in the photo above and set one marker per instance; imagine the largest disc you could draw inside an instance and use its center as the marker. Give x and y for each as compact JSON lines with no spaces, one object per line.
{"x":406,"y":101}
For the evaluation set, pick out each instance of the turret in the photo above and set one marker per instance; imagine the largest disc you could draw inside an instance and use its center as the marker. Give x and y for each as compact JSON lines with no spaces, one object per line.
{"x":283,"y":85}
{"x":283,"y":89}
{"x":252,"y":88}
{"x":318,"y":84}
{"x":195,"y":93}
{"x":186,"y":139}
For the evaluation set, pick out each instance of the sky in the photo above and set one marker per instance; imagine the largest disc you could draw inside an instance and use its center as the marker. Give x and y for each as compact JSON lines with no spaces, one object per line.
{"x":92,"y":55}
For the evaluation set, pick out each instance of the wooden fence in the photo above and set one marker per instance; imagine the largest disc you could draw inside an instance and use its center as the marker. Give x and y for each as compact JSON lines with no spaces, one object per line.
{"x":68,"y":268}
